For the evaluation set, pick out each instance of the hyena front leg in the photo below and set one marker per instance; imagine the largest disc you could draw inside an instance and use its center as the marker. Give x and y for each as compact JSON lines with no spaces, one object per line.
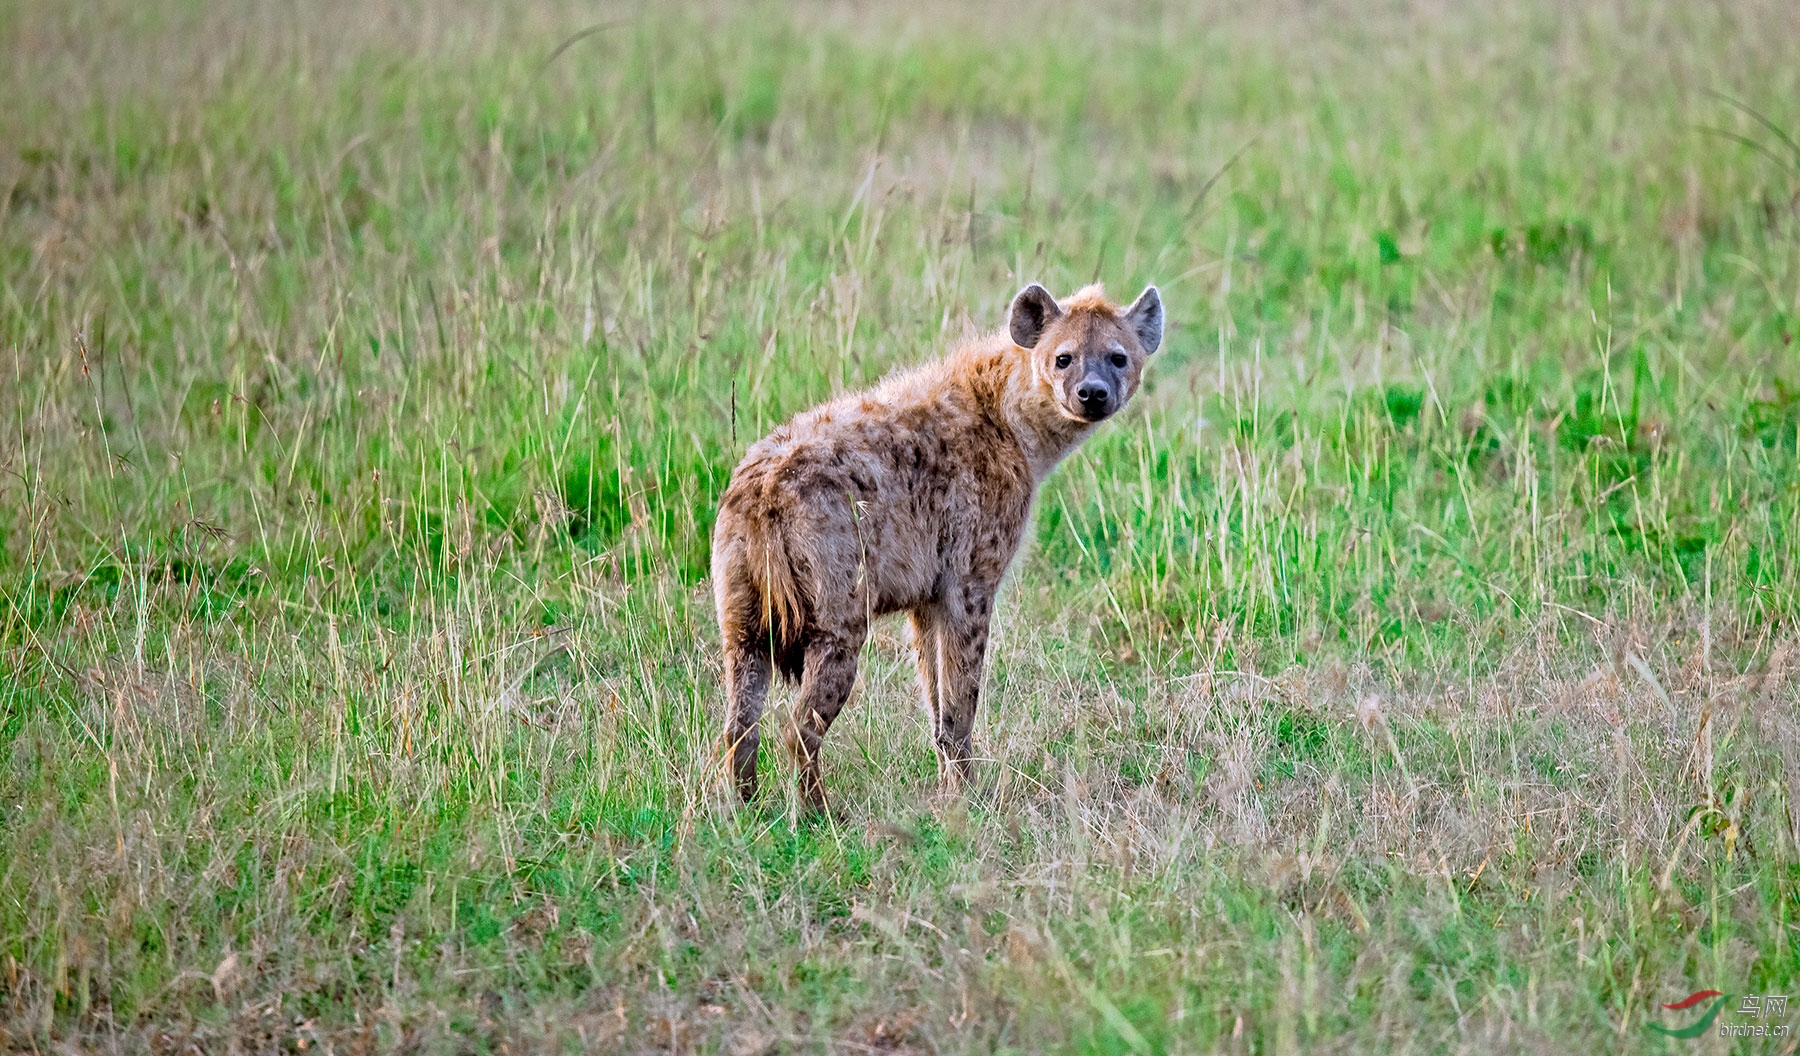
{"x":747,"y":672}
{"x":925,"y":641}
{"x":962,"y":626}
{"x":825,"y":685}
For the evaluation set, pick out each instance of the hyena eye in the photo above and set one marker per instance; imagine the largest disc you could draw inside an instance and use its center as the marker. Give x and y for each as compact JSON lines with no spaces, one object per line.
{"x":1119,"y":360}
{"x":1063,"y":361}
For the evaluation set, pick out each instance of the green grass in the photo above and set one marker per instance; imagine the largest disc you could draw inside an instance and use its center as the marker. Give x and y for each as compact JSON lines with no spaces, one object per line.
{"x":1411,"y":669}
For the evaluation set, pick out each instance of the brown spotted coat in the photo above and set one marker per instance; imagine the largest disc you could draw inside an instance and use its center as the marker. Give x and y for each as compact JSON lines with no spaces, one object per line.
{"x":910,"y":497}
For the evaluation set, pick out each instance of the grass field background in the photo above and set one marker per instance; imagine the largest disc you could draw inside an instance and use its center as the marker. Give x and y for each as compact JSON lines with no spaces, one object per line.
{"x":1411,"y":669}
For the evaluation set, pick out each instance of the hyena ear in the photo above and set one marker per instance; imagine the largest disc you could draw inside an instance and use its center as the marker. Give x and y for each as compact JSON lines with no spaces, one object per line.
{"x":1032,"y":311}
{"x":1145,"y":317}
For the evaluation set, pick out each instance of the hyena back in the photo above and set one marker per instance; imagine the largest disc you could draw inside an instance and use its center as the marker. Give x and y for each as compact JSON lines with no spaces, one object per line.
{"x":910,"y":497}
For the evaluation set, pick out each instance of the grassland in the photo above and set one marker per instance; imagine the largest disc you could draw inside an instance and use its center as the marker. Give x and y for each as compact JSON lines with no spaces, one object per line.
{"x":1411,"y":670}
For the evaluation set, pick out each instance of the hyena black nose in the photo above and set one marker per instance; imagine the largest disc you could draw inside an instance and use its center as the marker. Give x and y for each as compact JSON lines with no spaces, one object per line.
{"x":1095,"y":397}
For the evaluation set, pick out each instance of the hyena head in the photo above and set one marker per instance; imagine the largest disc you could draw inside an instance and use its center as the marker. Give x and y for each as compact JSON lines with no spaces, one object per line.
{"x":1087,"y":352}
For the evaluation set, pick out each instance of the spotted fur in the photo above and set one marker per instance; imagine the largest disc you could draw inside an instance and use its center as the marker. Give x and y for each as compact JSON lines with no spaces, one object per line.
{"x":910,"y":497}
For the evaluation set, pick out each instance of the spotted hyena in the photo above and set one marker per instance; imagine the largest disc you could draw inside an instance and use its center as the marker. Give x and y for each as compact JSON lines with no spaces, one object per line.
{"x":910,"y":497}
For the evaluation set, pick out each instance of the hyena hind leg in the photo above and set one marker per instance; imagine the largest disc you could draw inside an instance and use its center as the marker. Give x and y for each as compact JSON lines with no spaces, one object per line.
{"x":747,"y":673}
{"x":830,"y":674}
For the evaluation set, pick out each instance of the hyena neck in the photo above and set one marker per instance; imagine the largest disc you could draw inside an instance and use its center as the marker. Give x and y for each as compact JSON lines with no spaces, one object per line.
{"x":1045,"y":435}
{"x":996,"y":376}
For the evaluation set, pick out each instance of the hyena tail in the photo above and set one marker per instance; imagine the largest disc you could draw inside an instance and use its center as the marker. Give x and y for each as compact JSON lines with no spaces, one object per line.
{"x":771,"y":567}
